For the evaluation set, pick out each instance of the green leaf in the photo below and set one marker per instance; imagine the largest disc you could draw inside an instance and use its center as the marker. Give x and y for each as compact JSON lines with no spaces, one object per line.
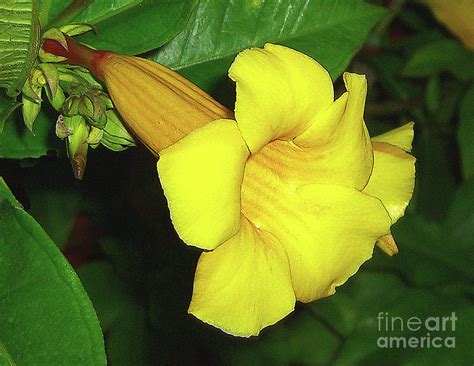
{"x":432,"y":94}
{"x":387,"y":66}
{"x":129,"y":340}
{"x":466,"y":133}
{"x":17,"y":142}
{"x":451,"y":97}
{"x":435,"y":244}
{"x":431,"y":254}
{"x":46,"y":315}
{"x":19,"y":42}
{"x":56,"y":209}
{"x":6,"y":110}
{"x":434,"y":159}
{"x":132,"y":26}
{"x":460,"y":220}
{"x":106,"y":291}
{"x":124,"y":321}
{"x":329,"y":31}
{"x":303,"y":340}
{"x":441,"y":55}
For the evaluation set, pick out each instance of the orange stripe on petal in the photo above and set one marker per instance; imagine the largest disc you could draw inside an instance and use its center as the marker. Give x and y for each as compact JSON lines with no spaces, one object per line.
{"x":327,"y":230}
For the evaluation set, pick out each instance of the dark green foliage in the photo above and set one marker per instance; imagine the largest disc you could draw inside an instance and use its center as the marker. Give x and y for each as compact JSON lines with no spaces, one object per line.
{"x":114,"y":226}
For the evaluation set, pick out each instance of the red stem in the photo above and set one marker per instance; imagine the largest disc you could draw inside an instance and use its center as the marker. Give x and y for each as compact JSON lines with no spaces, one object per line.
{"x":78,"y":54}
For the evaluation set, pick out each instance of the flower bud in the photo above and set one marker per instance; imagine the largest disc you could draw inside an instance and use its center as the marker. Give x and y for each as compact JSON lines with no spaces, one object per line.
{"x":77,"y":145}
{"x":61,"y":130}
{"x":33,"y":93}
{"x":158,"y":105}
{"x":30,"y":107}
{"x":95,"y":135}
{"x":51,"y":75}
{"x":71,"y":106}
{"x":58,"y":36}
{"x":116,"y":137}
{"x":57,"y":99}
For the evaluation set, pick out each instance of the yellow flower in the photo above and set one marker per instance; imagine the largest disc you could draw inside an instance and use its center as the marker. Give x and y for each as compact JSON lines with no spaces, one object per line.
{"x":287,"y":199}
{"x":290,"y":197}
{"x":457,"y":16}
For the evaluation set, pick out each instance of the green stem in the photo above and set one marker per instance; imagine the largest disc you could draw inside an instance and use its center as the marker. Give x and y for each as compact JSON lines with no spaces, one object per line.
{"x":69,"y":14}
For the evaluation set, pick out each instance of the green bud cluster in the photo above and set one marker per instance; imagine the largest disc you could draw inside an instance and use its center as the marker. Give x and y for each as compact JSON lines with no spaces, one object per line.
{"x":87,"y":115}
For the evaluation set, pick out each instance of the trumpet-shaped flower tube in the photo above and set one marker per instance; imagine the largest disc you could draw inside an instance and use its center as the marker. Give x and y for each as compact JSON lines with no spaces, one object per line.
{"x":287,"y":197}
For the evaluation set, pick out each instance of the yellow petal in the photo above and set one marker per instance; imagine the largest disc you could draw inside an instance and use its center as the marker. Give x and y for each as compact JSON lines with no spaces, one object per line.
{"x":201,"y":176}
{"x":244,"y":285}
{"x":328,"y":231}
{"x":401,"y":136}
{"x":342,"y":227}
{"x":279,"y":91}
{"x":337,"y":143}
{"x":392,"y":179}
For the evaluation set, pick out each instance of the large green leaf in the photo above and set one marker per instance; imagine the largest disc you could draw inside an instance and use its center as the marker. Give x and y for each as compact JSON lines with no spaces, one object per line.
{"x":331,"y":31}
{"x":19,"y":42}
{"x":17,"y":142}
{"x":46,"y":317}
{"x":132,"y":26}
{"x":122,"y":319}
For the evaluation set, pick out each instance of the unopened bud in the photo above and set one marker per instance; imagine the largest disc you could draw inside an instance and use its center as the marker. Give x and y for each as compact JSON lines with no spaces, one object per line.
{"x":95,"y":135}
{"x":61,"y":130}
{"x":71,"y":106}
{"x":157,"y":104}
{"x":51,"y":75}
{"x":31,"y":108}
{"x":56,"y":100}
{"x":77,"y":145}
{"x":116,"y":136}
